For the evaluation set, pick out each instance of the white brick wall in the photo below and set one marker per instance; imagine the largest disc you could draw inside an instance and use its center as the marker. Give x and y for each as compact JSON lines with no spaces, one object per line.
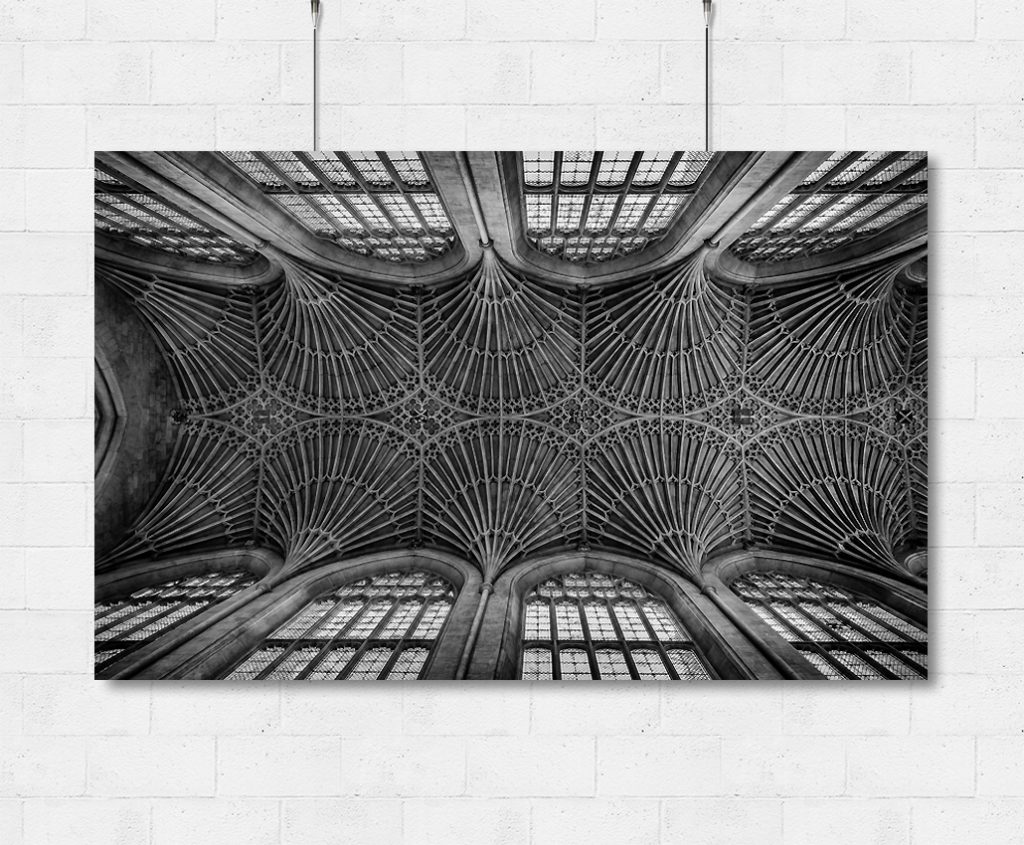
{"x":82,"y":762}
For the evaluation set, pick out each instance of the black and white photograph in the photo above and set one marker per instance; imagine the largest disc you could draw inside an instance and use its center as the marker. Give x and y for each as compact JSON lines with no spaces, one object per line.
{"x":563,"y":415}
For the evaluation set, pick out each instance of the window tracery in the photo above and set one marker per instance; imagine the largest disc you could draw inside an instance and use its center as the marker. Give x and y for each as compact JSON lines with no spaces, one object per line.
{"x":849,"y":196}
{"x":377,"y":204}
{"x":379,"y":628}
{"x":590,"y":207}
{"x":126,"y":625}
{"x":590,"y":626}
{"x":844,"y":636}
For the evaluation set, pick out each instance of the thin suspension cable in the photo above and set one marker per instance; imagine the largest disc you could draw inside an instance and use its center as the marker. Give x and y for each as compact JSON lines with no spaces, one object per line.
{"x":707,"y":75}
{"x":315,"y":10}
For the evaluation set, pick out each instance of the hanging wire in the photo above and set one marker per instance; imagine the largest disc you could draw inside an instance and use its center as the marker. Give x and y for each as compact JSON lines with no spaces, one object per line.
{"x":315,"y":9}
{"x":707,"y":75}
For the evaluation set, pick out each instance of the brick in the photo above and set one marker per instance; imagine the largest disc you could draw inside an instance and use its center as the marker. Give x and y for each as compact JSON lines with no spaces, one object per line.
{"x":30,"y":20}
{"x":978,"y":579}
{"x":327,"y":821}
{"x":808,"y":710}
{"x":12,"y":212}
{"x":649,"y":766}
{"x":999,"y":509}
{"x":744,"y":73}
{"x":508,"y":766}
{"x":596,"y":72}
{"x":44,"y":388}
{"x":784,"y":766}
{"x":937,"y":708}
{"x":395,"y":766}
{"x":216,"y":73}
{"x":42,"y":766}
{"x":985,"y":451}
{"x":949,"y":73}
{"x":144,"y":127}
{"x":466,"y":73}
{"x":53,"y":136}
{"x":954,"y":398}
{"x":59,"y":579}
{"x":533,"y":20}
{"x":410,"y":20}
{"x":953,"y":822}
{"x":998,"y":126}
{"x":11,"y":460}
{"x":663,"y":127}
{"x":146,"y":20}
{"x":75,"y":705}
{"x":798,"y":20}
{"x":10,"y":821}
{"x":911,"y":20}
{"x":273,"y":127}
{"x":580,"y":821}
{"x":59,"y":201}
{"x":846,"y":821}
{"x":488,"y":709}
{"x":953,"y":515}
{"x":495,"y":821}
{"x":365,"y":709}
{"x":529,"y":127}
{"x":153,"y":766}
{"x":846,"y":73}
{"x":12,"y":82}
{"x":221,"y":709}
{"x":715,"y":709}
{"x":723,"y":821}
{"x":86,"y":820}
{"x":12,"y":579}
{"x":999,"y":19}
{"x":269,"y":20}
{"x":215,"y":820}
{"x":1000,"y":765}
{"x":910,"y":766}
{"x":414,"y":127}
{"x":604,"y":709}
{"x":650,"y":20}
{"x":29,"y":518}
{"x":981,"y":200}
{"x":39,"y":263}
{"x":778,"y":127}
{"x":998,"y":389}
{"x":47,"y":641}
{"x":277,"y":765}
{"x":10,"y":706}
{"x":86,"y":73}
{"x":360,"y":73}
{"x":58,"y":450}
{"x":945,"y":132}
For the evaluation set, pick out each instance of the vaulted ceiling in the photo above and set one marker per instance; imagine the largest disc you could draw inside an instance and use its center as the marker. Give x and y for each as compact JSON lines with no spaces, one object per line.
{"x":501,"y":354}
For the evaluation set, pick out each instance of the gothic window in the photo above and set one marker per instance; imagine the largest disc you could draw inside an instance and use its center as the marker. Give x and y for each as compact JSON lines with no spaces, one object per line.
{"x":843,"y":635}
{"x":380,"y":628}
{"x":588,"y":626}
{"x":377,"y":204}
{"x":589,"y":207}
{"x":849,"y":196}
{"x":126,"y":625}
{"x":127,"y":210}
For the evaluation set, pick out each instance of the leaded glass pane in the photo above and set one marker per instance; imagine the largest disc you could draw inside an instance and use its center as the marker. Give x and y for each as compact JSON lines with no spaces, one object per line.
{"x":575,"y":664}
{"x":255,"y":664}
{"x":845,"y":626}
{"x":612,"y":665}
{"x":536,"y":664}
{"x":615,"y":611}
{"x":396,"y":612}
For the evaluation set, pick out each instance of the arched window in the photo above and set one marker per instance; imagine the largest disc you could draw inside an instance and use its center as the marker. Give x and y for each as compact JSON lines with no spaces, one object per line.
{"x":380,"y":628}
{"x":126,"y":625}
{"x":585,"y":626}
{"x":843,"y":635}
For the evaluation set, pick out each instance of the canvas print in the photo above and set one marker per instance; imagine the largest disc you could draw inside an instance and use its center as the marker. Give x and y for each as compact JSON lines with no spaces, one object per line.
{"x":562,"y":415}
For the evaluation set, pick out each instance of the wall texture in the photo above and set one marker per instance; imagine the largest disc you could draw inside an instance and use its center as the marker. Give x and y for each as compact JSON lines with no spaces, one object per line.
{"x":928,"y":764}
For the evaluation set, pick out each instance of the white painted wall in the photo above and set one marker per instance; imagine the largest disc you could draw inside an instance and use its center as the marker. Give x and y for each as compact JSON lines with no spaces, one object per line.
{"x":87,"y":762}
